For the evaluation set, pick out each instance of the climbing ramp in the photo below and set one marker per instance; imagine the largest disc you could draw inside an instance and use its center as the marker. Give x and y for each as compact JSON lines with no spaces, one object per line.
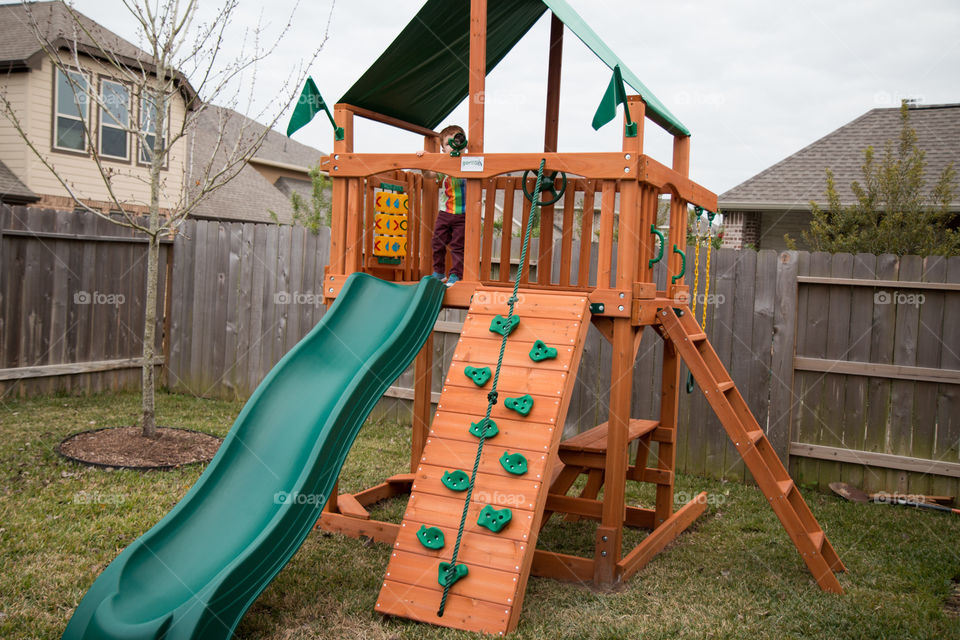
{"x":514,"y":469}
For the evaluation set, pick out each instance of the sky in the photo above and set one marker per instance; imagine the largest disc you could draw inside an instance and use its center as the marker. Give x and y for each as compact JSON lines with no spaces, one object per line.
{"x":753,"y":81}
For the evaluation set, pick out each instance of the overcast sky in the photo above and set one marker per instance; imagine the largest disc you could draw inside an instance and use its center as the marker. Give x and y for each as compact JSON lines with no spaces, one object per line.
{"x":753,"y":81}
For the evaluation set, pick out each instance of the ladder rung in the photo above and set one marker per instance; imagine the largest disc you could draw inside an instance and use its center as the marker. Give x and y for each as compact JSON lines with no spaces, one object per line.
{"x":723,"y":387}
{"x":697,"y":337}
{"x":817,"y":538}
{"x":755,"y":436}
{"x":785,"y":487}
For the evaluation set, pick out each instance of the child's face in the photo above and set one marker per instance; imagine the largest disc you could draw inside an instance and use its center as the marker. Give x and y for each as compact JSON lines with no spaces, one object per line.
{"x":445,"y":142}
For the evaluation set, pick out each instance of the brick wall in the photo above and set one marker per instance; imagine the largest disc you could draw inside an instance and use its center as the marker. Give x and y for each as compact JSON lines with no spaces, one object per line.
{"x":741,"y":229}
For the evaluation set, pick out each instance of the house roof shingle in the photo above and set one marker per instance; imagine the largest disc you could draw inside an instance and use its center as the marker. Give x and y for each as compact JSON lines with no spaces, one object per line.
{"x":13,"y":191}
{"x":800,"y":178}
{"x":249,"y":196}
{"x":21,"y":50}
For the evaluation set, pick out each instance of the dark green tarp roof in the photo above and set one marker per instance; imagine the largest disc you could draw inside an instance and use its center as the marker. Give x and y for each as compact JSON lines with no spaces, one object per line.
{"x":424,"y":73}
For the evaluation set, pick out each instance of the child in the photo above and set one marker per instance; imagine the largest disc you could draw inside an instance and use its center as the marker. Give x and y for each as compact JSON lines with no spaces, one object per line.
{"x":448,"y":232}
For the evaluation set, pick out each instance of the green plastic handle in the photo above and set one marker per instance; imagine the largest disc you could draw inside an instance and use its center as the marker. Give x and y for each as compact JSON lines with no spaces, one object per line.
{"x":683,"y":265}
{"x":659,"y":234}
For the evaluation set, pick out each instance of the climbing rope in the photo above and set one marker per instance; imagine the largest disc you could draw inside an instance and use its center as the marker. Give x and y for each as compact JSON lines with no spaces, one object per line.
{"x":451,"y":572}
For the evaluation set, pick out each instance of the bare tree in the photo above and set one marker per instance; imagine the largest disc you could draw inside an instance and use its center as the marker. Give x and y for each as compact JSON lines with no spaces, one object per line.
{"x":179,"y":60}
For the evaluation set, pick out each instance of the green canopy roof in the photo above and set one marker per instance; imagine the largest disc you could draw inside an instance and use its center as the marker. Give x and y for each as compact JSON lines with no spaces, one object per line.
{"x":424,"y":73}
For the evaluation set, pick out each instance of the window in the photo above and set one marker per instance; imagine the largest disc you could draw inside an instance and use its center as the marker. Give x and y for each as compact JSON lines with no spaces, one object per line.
{"x":114,"y":119}
{"x":71,"y":111}
{"x":149,"y":107}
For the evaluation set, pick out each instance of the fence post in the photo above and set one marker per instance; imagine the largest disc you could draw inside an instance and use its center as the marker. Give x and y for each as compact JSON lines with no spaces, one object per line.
{"x":784,"y":347}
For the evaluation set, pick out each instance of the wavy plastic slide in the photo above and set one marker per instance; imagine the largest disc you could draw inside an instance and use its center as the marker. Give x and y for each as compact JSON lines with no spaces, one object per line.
{"x":195,"y":573}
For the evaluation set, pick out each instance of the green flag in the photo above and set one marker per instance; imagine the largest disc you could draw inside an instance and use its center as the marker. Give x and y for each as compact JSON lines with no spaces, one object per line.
{"x":615,"y":94}
{"x":310,"y":104}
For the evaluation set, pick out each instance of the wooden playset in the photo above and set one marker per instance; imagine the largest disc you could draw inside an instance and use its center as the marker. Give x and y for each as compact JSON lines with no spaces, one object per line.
{"x":383,"y":215}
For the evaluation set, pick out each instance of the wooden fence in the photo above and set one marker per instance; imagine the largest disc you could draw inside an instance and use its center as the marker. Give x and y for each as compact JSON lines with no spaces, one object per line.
{"x":850,"y":363}
{"x":72,"y":290}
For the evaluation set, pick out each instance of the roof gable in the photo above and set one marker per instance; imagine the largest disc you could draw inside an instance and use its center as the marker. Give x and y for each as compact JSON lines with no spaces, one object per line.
{"x":801,"y":177}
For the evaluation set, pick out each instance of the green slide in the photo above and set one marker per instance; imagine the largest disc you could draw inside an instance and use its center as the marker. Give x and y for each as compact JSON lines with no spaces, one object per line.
{"x":195,"y":573}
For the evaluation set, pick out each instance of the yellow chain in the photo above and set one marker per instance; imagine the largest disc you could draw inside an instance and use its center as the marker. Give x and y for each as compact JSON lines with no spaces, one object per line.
{"x":696,"y":264}
{"x":706,"y":284}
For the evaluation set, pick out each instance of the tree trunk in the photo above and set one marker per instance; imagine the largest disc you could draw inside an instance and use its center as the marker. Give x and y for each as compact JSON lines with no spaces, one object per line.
{"x":149,"y":338}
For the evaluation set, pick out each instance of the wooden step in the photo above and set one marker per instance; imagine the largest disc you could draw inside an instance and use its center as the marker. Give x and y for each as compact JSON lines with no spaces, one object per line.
{"x":723,"y":387}
{"x":697,"y":337}
{"x":489,"y":599}
{"x":755,"y":436}
{"x":785,"y":487}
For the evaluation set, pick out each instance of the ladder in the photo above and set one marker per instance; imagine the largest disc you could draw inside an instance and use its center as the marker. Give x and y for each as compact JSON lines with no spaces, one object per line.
{"x":680,"y":327}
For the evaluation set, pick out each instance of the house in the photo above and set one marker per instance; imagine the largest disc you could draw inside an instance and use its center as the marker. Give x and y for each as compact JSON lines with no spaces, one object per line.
{"x":52,"y":113}
{"x":261,"y":190}
{"x":761,"y":210}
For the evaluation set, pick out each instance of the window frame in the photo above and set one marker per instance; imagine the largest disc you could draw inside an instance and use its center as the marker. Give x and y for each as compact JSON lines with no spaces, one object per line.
{"x":56,"y":115}
{"x":128,"y":159}
{"x":140,"y":142}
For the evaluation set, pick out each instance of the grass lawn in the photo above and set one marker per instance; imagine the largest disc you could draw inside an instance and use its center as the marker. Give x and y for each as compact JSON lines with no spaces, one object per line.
{"x":733,"y":575}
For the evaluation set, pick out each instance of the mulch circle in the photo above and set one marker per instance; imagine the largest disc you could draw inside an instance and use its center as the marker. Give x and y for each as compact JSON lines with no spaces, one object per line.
{"x":126,"y":448}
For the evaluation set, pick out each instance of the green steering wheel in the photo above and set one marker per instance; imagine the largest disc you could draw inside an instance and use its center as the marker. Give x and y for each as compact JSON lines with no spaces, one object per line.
{"x":548,"y":184}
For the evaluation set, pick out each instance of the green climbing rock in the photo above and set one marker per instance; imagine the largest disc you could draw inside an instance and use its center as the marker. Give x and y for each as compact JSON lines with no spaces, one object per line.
{"x":494,"y":519}
{"x":522,"y":405}
{"x":455,"y":480}
{"x":492,"y":428}
{"x":479,"y":375}
{"x":499,"y":325}
{"x":430,"y":537}
{"x":541,"y":351}
{"x":514,"y":463}
{"x":447,"y":577}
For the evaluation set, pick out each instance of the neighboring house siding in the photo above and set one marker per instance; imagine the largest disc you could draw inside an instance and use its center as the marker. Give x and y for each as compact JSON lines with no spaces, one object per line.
{"x":774,"y":224}
{"x":131,"y":183}
{"x":13,"y":152}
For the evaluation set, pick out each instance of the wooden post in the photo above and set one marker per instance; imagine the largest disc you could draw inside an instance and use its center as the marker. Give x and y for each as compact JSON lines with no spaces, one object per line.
{"x":666,"y":447}
{"x":344,"y":118}
{"x":552,"y":123}
{"x":678,"y":216}
{"x":428,"y":212}
{"x":338,"y":225}
{"x":422,"y":386}
{"x":478,"y":74}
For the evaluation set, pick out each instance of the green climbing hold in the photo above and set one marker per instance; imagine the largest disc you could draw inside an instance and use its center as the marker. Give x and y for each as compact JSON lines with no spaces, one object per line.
{"x":514,"y":463}
{"x":479,"y":375}
{"x":430,"y":537}
{"x":500,"y":325}
{"x":522,"y":405}
{"x":491,"y":431}
{"x":447,"y":577}
{"x":455,"y":480}
{"x":541,"y":351}
{"x":494,"y":519}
